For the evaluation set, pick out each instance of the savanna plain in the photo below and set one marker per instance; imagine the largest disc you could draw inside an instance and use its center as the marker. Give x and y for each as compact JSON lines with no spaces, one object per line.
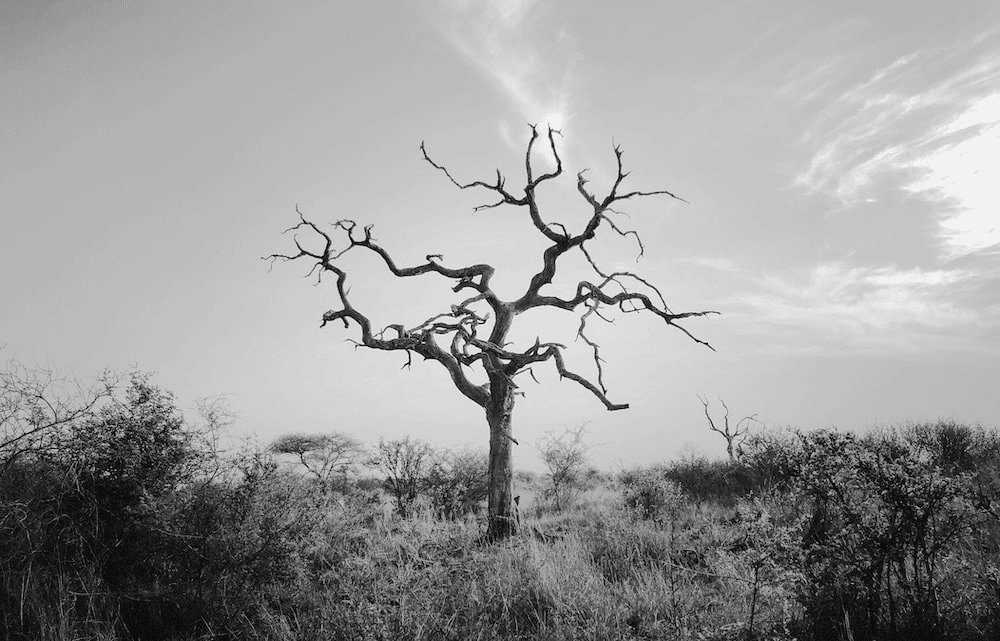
{"x":120,"y":518}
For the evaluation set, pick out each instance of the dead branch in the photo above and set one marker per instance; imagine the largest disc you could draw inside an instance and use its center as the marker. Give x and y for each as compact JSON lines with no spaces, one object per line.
{"x":475,"y":339}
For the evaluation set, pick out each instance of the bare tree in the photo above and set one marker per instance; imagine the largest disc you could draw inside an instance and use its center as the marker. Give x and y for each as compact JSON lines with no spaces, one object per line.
{"x":325,"y":456}
{"x":472,"y":334}
{"x":734,"y":435}
{"x":216,"y":417}
{"x":566,"y":458}
{"x":404,"y":462}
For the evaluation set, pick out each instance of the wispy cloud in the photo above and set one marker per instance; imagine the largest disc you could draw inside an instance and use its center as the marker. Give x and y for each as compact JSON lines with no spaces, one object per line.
{"x":809,"y":78}
{"x":528,"y":60}
{"x":839,"y":308}
{"x":940,"y":141}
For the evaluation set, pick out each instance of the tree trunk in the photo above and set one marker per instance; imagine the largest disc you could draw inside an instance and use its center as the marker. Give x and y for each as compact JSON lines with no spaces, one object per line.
{"x":503,"y":519}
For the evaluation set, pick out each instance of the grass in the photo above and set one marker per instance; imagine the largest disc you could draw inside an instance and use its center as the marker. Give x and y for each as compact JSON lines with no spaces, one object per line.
{"x":597,"y":573}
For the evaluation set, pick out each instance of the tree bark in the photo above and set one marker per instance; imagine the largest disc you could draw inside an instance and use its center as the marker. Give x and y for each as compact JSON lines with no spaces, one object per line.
{"x":503,"y":521}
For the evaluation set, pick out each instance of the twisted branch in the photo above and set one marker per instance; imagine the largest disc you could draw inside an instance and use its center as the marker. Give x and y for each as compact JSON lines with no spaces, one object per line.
{"x":460,"y":326}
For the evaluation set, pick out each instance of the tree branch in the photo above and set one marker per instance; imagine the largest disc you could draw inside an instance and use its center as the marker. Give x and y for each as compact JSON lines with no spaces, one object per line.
{"x":506,"y":198}
{"x":30,"y":404}
{"x":556,"y":355}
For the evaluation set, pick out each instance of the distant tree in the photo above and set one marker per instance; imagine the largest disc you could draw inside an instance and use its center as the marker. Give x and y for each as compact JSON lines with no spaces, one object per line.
{"x":567,"y":470}
{"x":325,"y":456}
{"x":404,"y":462}
{"x":735,"y":434}
{"x":474,"y":331}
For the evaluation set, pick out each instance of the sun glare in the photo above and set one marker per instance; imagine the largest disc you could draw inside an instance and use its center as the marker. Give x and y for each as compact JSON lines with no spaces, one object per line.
{"x":964,"y":173}
{"x":553,"y":119}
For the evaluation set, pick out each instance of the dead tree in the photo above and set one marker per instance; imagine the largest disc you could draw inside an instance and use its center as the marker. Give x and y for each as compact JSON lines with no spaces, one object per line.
{"x":733,"y":435}
{"x":472,"y":335}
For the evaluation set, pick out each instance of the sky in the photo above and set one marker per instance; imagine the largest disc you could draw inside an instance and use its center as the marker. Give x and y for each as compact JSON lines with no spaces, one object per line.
{"x":839,"y":161}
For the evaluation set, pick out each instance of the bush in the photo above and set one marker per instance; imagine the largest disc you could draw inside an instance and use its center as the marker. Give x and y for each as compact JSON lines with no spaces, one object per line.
{"x":457,"y":482}
{"x":83,"y":530}
{"x":650,"y":493}
{"x":884,"y":520}
{"x":120,"y":527}
{"x":244,"y":540}
{"x":404,"y":464}
{"x":771,"y":459}
{"x":567,"y":474}
{"x":720,"y":482}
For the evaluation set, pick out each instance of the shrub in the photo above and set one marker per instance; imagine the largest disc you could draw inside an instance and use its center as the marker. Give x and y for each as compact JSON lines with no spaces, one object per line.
{"x":567,"y":474}
{"x":772,"y":459}
{"x":457,"y":482}
{"x":84,"y":529}
{"x":243,"y":540}
{"x":650,"y":493}
{"x":704,"y":480}
{"x":884,"y":520}
{"x":404,"y":462}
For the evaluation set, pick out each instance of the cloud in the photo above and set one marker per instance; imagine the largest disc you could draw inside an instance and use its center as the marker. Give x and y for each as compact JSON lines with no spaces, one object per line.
{"x":809,"y":78}
{"x":939,"y":142}
{"x":838,"y":308}
{"x":526,"y":59}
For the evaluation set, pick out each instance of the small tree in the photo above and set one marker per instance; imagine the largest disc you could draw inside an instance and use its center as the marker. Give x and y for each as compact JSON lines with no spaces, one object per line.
{"x":216,"y":416}
{"x":324,"y":456}
{"x":734,"y":435}
{"x":475,"y":329}
{"x":404,"y":462}
{"x":566,"y":459}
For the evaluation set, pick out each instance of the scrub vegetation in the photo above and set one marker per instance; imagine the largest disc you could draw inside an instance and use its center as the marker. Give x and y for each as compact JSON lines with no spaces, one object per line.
{"x":122,"y":519}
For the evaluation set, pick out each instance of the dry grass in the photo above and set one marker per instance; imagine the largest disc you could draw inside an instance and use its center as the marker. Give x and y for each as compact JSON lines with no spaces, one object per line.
{"x":597,"y":573}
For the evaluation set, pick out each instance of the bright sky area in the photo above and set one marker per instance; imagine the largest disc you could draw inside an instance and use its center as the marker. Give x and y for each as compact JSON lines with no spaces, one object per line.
{"x":841,"y":162}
